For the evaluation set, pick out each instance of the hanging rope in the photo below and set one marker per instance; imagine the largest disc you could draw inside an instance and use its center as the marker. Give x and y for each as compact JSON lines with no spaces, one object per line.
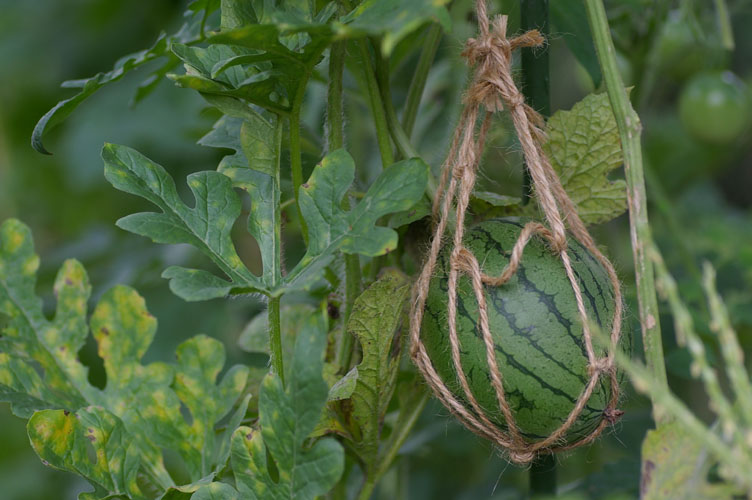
{"x":493,"y":89}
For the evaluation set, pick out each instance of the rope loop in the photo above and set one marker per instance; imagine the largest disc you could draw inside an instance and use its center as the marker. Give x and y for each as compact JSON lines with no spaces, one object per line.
{"x":492,"y":86}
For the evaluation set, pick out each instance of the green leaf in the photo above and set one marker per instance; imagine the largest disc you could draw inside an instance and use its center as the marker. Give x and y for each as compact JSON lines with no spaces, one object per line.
{"x":393,"y":20}
{"x":584,"y":147}
{"x":675,"y":465}
{"x":138,"y":412}
{"x":570,"y":19}
{"x":236,"y":13}
{"x":344,"y":387}
{"x":199,"y":361}
{"x":253,"y":169}
{"x":330,"y":228}
{"x":207,"y":226}
{"x":61,"y":439}
{"x":188,"y":34}
{"x":216,"y":491}
{"x":376,"y":316}
{"x":90,"y":85}
{"x":287,"y":417}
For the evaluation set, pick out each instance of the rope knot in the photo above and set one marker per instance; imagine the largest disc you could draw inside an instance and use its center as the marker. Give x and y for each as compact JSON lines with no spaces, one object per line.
{"x":600,"y":365}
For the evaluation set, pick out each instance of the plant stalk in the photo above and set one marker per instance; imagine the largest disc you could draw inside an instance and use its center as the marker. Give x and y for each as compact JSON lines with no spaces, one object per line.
{"x":336,"y":140}
{"x":724,"y":24}
{"x":275,"y":337}
{"x":543,"y":475}
{"x":296,"y":161}
{"x":629,"y":131}
{"x":377,"y":106}
{"x":535,"y":71}
{"x":418,"y":83}
{"x":273,"y":310}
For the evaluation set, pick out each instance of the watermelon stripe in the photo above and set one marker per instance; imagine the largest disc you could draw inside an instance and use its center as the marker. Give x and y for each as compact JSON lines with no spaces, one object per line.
{"x":500,"y":307}
{"x":536,"y":327}
{"x":548,"y":300}
{"x":590,"y":263}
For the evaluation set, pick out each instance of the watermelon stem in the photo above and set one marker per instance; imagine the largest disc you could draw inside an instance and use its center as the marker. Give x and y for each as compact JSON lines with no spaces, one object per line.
{"x":543,"y":475}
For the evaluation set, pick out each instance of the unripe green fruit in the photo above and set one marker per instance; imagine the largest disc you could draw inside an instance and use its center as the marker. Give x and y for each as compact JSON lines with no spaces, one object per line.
{"x":715,"y":107}
{"x":540,"y":347}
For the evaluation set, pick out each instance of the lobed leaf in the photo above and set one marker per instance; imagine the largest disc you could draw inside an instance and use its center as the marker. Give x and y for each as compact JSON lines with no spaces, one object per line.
{"x":287,"y":417}
{"x":584,"y":147}
{"x":207,"y":226}
{"x":61,"y":438}
{"x":330,"y":228}
{"x":138,"y":412}
{"x":188,"y":34}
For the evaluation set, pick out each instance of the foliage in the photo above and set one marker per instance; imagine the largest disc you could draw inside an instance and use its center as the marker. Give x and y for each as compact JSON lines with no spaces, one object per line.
{"x":332,"y":233}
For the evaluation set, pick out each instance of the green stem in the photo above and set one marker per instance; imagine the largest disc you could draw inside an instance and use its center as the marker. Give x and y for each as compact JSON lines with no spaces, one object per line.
{"x":336,"y":140}
{"x":296,"y":160}
{"x":418,"y":83}
{"x":402,"y":430}
{"x":367,"y":490}
{"x":535,"y":71}
{"x":724,"y":24}
{"x":275,"y":337}
{"x":377,"y":106}
{"x":399,"y":135}
{"x":275,"y":333}
{"x":629,"y":131}
{"x":334,"y":107}
{"x":543,"y":475}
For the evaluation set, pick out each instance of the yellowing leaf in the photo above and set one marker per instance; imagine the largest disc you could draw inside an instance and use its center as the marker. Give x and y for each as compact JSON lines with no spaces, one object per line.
{"x":138,"y":412}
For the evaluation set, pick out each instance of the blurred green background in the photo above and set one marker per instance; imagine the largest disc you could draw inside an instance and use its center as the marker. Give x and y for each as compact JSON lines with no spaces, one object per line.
{"x":700,"y":191}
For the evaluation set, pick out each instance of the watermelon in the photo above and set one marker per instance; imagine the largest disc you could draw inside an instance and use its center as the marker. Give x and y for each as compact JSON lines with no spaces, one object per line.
{"x":537,"y":331}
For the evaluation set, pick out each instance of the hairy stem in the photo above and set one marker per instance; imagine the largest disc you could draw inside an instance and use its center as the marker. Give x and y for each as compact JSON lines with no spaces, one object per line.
{"x":336,"y":140}
{"x":275,"y":334}
{"x":418,"y":83}
{"x":275,"y":337}
{"x":377,"y":106}
{"x":296,"y":161}
{"x":629,"y":131}
{"x":399,"y":135}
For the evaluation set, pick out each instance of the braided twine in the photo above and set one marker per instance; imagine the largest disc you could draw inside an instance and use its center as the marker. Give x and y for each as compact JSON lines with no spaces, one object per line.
{"x":493,"y":88}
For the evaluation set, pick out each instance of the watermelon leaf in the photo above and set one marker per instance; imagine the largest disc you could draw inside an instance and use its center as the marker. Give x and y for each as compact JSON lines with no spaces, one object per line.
{"x":398,"y":188}
{"x":376,"y":316}
{"x":61,"y":438}
{"x":584,"y":147}
{"x":189,"y":34}
{"x":288,"y":416}
{"x":138,"y":412}
{"x":207,"y":226}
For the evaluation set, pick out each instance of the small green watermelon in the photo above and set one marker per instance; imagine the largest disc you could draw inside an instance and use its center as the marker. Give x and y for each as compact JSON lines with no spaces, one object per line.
{"x":540,"y":348}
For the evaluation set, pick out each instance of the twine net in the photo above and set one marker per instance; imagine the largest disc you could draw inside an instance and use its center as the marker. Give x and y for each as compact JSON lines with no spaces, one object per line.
{"x":492,"y":89}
